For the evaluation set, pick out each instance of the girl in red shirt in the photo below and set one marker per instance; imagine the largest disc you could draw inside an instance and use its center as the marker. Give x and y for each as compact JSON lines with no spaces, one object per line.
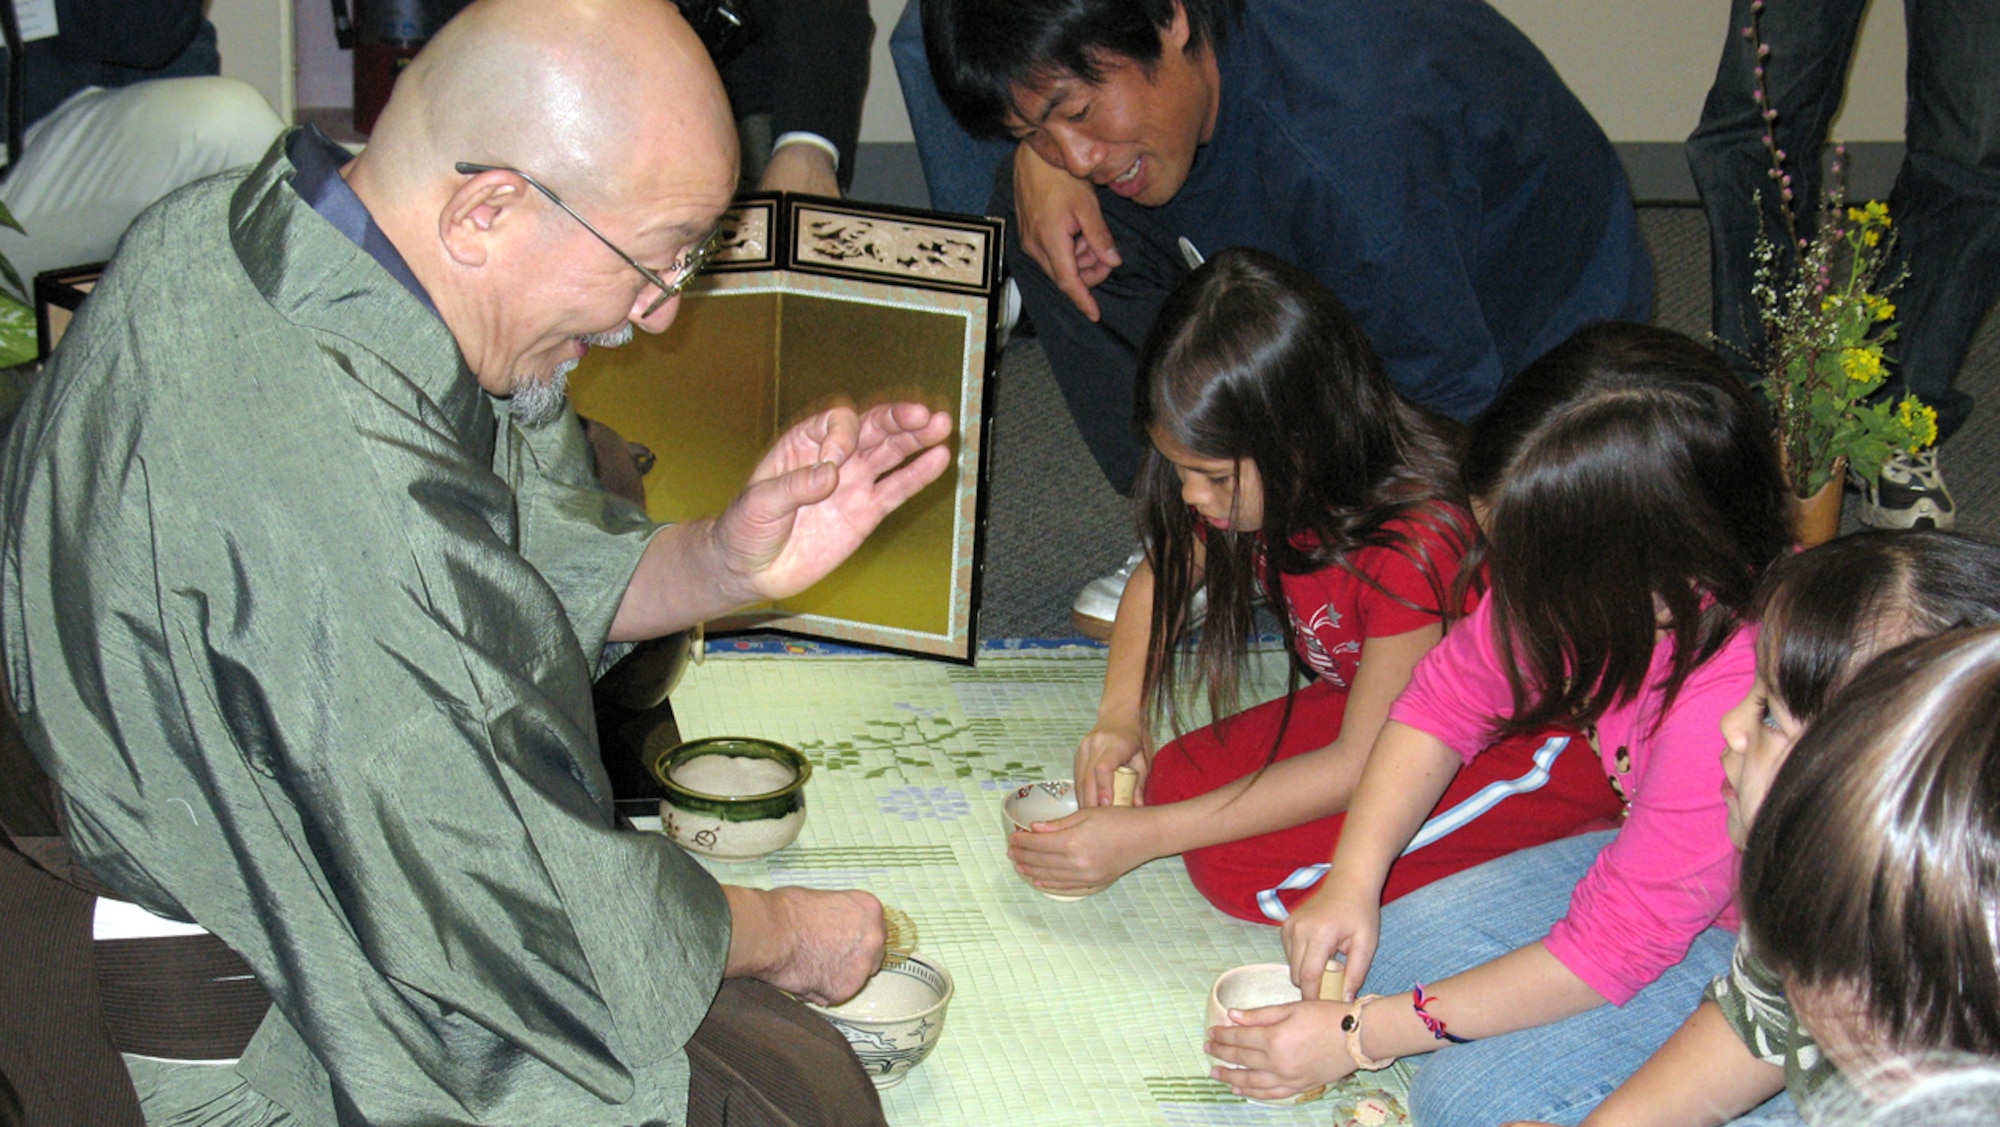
{"x":1284,"y":464}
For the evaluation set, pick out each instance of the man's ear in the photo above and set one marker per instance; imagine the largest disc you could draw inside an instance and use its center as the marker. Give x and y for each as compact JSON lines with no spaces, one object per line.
{"x":486,"y":207}
{"x":1176,"y":35}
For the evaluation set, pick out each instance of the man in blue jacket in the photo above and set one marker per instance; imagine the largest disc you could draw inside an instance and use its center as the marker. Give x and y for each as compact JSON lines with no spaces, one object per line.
{"x":1423,"y":159}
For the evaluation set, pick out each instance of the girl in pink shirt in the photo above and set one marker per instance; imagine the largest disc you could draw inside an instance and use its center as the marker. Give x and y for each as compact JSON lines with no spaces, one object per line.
{"x":1630,"y":497}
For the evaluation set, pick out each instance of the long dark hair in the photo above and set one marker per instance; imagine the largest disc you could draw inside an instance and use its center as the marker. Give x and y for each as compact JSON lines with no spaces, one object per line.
{"x":1871,"y":879}
{"x":1625,"y":473}
{"x":1252,"y":359}
{"x":981,"y":50}
{"x":1827,"y":612}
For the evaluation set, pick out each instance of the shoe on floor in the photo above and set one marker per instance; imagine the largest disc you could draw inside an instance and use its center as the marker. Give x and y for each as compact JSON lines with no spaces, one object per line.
{"x":1910,"y":494}
{"x":1096,"y":606}
{"x":1010,"y":313}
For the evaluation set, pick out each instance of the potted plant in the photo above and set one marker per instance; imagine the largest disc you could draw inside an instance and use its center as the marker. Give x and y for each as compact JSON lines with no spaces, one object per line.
{"x":1827,"y":316}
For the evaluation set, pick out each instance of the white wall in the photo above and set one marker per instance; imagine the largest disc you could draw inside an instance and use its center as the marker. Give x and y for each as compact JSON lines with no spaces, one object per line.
{"x":255,"y":38}
{"x":1641,"y":66}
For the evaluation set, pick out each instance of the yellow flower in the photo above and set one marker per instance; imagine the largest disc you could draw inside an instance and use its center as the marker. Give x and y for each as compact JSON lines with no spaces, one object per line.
{"x":1918,"y":421}
{"x":1881,"y":308}
{"x":1876,"y":214}
{"x":1863,"y":364}
{"x":1870,"y":237}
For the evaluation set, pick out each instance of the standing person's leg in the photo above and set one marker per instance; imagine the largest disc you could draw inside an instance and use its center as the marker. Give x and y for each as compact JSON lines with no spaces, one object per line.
{"x":1946,"y":210}
{"x":1810,"y":44}
{"x":1095,"y":362}
{"x":1557,"y":1072}
{"x":95,"y":162}
{"x":958,"y":167}
{"x":1946,"y":203}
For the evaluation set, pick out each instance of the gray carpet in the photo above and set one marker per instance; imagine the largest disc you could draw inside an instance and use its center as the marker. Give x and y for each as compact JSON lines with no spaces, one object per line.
{"x":1053,"y":523}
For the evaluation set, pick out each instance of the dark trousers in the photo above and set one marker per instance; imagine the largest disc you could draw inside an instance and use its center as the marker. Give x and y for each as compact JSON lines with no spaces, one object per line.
{"x":57,"y":1063}
{"x":1946,"y":202}
{"x":762,"y":1058}
{"x":1095,"y":364}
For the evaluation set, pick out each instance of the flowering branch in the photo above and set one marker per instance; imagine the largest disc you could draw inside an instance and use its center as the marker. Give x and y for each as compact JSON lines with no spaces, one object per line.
{"x":1827,"y":319}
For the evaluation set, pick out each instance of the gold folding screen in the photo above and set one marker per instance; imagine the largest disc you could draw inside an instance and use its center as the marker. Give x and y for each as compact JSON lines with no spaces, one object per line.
{"x":809,"y":302}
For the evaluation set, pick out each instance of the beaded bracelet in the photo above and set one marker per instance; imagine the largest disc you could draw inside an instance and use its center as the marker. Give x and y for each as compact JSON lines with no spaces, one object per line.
{"x":1351,"y":1025}
{"x":1433,"y":1024}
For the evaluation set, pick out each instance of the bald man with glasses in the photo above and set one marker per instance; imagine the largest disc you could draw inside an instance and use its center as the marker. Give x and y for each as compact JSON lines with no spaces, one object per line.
{"x":304,"y":578}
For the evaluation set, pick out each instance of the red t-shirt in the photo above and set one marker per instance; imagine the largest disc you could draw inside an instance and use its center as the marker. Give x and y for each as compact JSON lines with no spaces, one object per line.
{"x":1335,"y":609}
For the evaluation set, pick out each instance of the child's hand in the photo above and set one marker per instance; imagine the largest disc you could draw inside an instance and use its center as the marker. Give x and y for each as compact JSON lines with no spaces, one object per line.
{"x":1083,"y":852}
{"x":1282,"y":1050}
{"x":1107,"y":748}
{"x":1327,"y":923}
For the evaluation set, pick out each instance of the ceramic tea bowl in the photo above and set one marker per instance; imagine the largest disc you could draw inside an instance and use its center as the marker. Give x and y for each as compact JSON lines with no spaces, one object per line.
{"x":896,"y":1019}
{"x":1253,"y":987}
{"x":731,"y":798}
{"x":1045,"y":801}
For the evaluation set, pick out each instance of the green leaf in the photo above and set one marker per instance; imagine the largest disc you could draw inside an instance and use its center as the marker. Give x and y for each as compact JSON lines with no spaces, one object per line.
{"x":13,"y":277}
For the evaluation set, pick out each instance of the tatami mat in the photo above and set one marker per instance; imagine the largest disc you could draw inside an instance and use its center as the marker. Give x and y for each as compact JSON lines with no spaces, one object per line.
{"x":1065,"y":1013}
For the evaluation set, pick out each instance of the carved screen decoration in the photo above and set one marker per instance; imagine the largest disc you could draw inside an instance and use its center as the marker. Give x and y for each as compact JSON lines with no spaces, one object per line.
{"x":807,"y":302}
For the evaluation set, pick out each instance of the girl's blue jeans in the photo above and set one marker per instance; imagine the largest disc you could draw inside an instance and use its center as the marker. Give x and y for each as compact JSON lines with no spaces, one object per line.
{"x":1555,"y":1073}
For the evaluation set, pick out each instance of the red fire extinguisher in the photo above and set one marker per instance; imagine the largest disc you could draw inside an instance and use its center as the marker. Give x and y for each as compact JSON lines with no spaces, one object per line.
{"x":384,"y":36}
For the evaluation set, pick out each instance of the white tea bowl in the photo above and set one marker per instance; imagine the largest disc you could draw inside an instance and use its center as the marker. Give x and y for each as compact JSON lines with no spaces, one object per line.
{"x":1254,"y":987}
{"x":896,"y":1020}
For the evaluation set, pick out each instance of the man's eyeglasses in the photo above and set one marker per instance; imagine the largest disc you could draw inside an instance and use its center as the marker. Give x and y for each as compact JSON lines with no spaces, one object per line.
{"x":683,"y":271}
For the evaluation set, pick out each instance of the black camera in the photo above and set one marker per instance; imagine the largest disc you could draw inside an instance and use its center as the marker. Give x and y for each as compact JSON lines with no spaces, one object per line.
{"x":725,"y":26}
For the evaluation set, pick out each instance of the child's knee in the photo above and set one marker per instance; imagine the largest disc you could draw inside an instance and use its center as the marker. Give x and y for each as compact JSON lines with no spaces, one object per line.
{"x":225,"y":119}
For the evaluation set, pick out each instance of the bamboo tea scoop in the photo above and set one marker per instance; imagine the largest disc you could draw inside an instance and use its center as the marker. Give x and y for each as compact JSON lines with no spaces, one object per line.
{"x":1124,"y":782}
{"x":1333,"y":983}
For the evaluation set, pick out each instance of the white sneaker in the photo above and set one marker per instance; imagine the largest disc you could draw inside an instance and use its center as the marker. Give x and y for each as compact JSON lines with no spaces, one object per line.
{"x":1910,"y":494}
{"x":1096,"y":606}
{"x":1010,"y":314}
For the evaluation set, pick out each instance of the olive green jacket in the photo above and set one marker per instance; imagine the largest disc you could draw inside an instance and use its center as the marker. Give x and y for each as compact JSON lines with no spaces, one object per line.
{"x":303,"y":626}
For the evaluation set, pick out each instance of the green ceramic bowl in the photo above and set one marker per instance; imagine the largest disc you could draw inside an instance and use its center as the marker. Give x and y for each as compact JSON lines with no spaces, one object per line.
{"x":731,"y":798}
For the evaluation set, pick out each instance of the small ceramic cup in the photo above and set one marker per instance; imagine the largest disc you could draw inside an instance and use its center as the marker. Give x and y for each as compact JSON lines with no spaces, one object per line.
{"x":896,"y":1019}
{"x":731,"y":798}
{"x":1045,"y":801}
{"x":1253,"y":987}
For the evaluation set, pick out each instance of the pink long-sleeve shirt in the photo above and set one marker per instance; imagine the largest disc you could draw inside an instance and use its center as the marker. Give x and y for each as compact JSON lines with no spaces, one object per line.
{"x":1671,"y":871}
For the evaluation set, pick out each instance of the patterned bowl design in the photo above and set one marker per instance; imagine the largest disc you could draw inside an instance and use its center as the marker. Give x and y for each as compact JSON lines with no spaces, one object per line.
{"x":747,"y":822}
{"x":896,"y":1019}
{"x":1038,"y":802}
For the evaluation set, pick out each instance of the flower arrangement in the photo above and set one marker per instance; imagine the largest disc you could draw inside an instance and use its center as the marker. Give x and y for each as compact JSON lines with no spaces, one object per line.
{"x":1826,"y":315}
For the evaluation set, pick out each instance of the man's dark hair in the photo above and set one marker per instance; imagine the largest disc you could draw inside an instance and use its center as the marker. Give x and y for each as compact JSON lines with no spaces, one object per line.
{"x":980,"y":50}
